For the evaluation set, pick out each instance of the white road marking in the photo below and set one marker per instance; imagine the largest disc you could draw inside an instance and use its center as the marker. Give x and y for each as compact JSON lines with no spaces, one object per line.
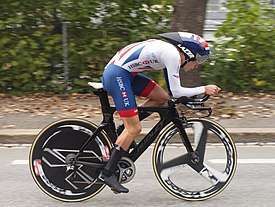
{"x":20,"y":162}
{"x":245,"y":161}
{"x":215,"y":161}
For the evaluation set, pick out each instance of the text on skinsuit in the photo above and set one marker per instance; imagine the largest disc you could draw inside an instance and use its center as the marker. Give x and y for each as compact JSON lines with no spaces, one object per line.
{"x":145,"y":62}
{"x":123,"y":91}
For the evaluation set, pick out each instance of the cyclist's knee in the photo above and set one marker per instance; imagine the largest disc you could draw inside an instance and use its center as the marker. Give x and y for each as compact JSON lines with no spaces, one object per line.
{"x":164,"y":98}
{"x":159,"y":96}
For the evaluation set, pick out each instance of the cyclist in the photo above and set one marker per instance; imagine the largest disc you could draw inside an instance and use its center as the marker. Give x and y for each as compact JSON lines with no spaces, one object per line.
{"x":123,"y":79}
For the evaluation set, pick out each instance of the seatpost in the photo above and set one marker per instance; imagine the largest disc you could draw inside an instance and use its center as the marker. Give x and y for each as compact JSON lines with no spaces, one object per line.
{"x":104,"y":101}
{"x":107,"y":111}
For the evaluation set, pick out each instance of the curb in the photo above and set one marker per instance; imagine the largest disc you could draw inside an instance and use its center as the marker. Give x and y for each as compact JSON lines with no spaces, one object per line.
{"x":239,"y":135}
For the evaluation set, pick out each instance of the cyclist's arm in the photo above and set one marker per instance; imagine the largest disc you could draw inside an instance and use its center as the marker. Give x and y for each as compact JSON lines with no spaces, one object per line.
{"x":172,"y":62}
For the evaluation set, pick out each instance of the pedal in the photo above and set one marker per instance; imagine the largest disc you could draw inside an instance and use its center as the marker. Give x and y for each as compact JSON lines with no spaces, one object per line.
{"x":115,"y":192}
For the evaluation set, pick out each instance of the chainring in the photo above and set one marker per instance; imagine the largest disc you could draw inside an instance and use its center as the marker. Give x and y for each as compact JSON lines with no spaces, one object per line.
{"x":127,"y":170}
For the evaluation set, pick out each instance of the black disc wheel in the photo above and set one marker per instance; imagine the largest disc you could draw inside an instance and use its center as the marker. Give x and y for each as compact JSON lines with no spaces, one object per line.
{"x":55,"y":167}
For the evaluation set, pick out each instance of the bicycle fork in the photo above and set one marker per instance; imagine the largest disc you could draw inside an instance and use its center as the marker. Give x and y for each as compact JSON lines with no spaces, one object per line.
{"x":193,"y":154}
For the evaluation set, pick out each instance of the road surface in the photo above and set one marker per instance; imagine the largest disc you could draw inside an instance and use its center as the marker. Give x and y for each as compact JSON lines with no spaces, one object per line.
{"x":253,"y":184}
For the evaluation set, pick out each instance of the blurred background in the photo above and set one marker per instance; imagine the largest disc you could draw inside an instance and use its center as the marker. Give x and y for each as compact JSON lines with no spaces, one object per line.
{"x":59,"y":45}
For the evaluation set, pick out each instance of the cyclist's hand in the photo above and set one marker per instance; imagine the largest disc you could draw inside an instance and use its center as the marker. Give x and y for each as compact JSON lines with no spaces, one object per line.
{"x":212,"y":90}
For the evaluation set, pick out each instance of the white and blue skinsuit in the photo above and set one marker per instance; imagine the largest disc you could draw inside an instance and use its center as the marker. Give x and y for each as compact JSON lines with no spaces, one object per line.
{"x":123,"y":78}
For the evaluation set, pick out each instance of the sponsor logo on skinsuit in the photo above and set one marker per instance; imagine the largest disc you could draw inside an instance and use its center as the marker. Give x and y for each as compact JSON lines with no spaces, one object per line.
{"x":123,"y":91}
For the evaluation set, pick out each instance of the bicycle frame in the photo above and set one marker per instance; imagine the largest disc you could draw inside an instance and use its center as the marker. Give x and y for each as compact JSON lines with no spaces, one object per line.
{"x":167,"y":114}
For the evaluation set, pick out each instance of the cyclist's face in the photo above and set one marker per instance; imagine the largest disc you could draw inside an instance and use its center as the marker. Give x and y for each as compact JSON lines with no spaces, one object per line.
{"x":191,"y":65}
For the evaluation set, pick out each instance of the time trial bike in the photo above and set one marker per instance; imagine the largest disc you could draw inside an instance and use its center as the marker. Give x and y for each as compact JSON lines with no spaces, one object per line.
{"x":193,"y":158}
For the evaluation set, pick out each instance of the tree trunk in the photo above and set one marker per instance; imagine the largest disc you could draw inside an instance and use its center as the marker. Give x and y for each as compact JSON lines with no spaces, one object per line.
{"x":189,"y":16}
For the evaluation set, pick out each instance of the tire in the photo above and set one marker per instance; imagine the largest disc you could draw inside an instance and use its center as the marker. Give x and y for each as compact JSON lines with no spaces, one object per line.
{"x":186,"y":180}
{"x":49,"y":155}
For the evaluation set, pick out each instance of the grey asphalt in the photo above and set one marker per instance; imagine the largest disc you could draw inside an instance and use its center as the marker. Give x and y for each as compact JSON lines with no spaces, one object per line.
{"x":23,"y":128}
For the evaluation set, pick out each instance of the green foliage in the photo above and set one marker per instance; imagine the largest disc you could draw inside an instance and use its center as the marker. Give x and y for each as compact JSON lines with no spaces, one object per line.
{"x":243,"y":55}
{"x":31,"y":39}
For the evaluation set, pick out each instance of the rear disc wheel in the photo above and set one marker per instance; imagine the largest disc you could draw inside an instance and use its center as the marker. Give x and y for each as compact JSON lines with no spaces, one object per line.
{"x":53,"y":165}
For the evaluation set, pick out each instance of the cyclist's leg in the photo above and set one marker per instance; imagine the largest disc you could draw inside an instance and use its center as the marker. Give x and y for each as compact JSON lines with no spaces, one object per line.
{"x":117,"y":82}
{"x":108,"y":175}
{"x":157,"y":97}
{"x":146,"y":87}
{"x":132,"y":129}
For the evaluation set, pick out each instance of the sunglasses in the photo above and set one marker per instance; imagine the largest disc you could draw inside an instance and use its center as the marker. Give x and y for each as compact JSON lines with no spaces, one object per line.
{"x":201,"y":58}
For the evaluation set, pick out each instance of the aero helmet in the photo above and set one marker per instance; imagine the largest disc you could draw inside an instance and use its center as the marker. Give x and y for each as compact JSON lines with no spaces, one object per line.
{"x":193,"y":46}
